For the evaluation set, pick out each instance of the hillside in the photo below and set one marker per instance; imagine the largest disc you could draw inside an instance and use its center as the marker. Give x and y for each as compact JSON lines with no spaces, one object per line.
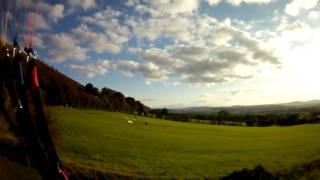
{"x":58,"y":89}
{"x":292,"y":107}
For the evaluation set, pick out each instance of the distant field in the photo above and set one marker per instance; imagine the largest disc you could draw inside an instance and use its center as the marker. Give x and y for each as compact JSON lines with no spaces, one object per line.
{"x":106,"y":142}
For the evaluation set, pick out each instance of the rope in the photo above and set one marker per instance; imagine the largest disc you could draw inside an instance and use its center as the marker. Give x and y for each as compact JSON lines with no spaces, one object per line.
{"x":35,"y":132}
{"x":14,"y":25}
{"x":24,"y":38}
{"x":32,"y":24}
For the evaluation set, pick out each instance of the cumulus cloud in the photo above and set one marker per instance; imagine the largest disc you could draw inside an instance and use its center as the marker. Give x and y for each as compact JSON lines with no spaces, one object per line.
{"x":84,"y":4}
{"x":162,"y":26}
{"x":127,"y":67}
{"x":97,"y":42}
{"x":213,"y":2}
{"x":64,"y":47}
{"x":314,"y":15}
{"x":238,"y":2}
{"x":285,"y":25}
{"x":295,"y":6}
{"x":92,"y":69}
{"x":114,"y":35}
{"x":107,"y":13}
{"x":41,"y":23}
{"x":202,"y":51}
{"x":153,"y":72}
{"x":157,"y":56}
{"x":131,"y":3}
{"x":195,"y":48}
{"x":159,"y":7}
{"x":150,"y":71}
{"x":217,"y":52}
{"x":54,"y":12}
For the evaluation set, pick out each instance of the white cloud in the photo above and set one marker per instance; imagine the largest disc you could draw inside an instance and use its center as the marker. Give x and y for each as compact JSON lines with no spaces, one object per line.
{"x":153,"y":72}
{"x":314,"y":15}
{"x":213,"y":2}
{"x":84,"y":4}
{"x":38,"y":41}
{"x":131,"y":3}
{"x":41,"y":23}
{"x":295,"y":6}
{"x":98,"y":42}
{"x":158,"y":7}
{"x":157,"y":56}
{"x":54,"y":12}
{"x":162,"y":26}
{"x":64,"y":47}
{"x":150,"y":71}
{"x":92,"y":69}
{"x":127,"y":67}
{"x":285,"y":25}
{"x":238,"y":2}
{"x":199,"y":49}
{"x":215,"y":52}
{"x":115,"y":34}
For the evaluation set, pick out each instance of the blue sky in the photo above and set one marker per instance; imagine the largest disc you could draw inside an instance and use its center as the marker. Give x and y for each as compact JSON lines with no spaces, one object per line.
{"x":179,"y":53}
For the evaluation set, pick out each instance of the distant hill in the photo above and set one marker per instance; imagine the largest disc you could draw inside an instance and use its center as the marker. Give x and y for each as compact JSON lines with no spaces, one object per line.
{"x":292,"y":107}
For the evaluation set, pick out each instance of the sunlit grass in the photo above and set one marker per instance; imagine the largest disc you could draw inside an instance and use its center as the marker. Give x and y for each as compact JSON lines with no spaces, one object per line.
{"x":105,"y":141}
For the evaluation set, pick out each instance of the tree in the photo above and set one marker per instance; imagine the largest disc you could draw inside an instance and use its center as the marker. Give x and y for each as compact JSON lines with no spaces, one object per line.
{"x":141,"y":108}
{"x":119,"y":101}
{"x":54,"y":93}
{"x":164,"y":112}
{"x":223,"y":115}
{"x":131,"y":103}
{"x":106,"y":92}
{"x":90,"y":89}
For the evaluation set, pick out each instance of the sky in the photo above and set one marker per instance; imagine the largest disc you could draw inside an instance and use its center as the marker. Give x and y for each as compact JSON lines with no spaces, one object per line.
{"x":181,"y":53}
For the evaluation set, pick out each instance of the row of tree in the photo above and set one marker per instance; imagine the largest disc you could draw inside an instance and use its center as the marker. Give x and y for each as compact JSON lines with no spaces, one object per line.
{"x":225,"y":118}
{"x":59,"y":89}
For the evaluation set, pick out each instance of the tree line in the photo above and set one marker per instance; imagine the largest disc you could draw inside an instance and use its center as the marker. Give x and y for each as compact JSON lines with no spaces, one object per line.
{"x":226,"y":118}
{"x":58,"y":89}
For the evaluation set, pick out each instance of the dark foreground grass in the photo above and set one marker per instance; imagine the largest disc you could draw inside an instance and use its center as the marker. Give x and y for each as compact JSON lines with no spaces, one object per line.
{"x":106,"y":142}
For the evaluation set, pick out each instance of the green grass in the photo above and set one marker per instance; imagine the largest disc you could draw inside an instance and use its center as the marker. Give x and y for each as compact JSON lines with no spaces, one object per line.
{"x":106,"y":142}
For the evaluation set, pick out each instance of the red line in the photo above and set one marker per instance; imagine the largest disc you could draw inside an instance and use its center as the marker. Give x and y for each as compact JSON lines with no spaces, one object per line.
{"x":64,"y":175}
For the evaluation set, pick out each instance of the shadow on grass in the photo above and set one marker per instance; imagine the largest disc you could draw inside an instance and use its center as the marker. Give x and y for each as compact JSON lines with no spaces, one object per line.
{"x":306,"y":171}
{"x":259,"y":172}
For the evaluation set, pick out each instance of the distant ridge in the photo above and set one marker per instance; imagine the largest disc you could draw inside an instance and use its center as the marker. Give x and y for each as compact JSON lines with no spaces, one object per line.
{"x":295,"y":106}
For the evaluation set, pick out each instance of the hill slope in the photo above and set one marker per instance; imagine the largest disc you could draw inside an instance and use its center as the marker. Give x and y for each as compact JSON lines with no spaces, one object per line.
{"x":58,"y":89}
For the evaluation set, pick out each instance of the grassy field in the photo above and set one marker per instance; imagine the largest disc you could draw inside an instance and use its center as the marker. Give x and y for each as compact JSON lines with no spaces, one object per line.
{"x":106,"y":142}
